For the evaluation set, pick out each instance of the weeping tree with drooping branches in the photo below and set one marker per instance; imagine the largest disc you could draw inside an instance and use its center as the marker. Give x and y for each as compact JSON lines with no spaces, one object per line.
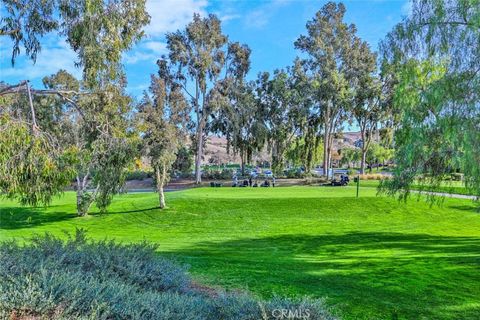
{"x":434,"y":58}
{"x":86,"y":133}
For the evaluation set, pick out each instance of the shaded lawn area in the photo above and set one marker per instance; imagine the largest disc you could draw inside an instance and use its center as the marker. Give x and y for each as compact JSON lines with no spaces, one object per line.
{"x":372,"y":257}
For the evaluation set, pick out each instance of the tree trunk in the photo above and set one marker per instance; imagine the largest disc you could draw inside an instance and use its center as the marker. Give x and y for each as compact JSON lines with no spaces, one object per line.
{"x":199,"y":153}
{"x":84,"y":204}
{"x":160,"y":182}
{"x":325,"y":152}
{"x":80,"y":211}
{"x":242,"y":161}
{"x":362,"y":164}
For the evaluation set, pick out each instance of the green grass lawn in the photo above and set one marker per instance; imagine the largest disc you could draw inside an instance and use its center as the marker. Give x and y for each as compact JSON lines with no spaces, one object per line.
{"x":372,"y":257}
{"x":457,"y":187}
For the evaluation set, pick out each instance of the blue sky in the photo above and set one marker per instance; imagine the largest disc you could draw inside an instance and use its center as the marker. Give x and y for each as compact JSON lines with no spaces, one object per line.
{"x":268,"y":27}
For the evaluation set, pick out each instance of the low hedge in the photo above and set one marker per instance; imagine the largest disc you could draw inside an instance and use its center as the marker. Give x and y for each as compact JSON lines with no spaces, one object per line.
{"x":81,"y":279}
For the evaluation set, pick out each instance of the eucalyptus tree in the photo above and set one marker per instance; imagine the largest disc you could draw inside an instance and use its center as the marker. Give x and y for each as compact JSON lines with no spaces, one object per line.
{"x":98,"y":32}
{"x":368,"y":107}
{"x":435,"y":55}
{"x":163,"y":116}
{"x":96,"y":128}
{"x":200,"y":60}
{"x":241,"y":121}
{"x":329,"y":45}
{"x":24,"y":22}
{"x":33,"y":165}
{"x":282,"y":110}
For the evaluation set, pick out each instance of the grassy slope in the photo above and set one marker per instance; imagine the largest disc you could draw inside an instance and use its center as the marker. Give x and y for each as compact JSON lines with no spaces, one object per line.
{"x":372,"y":257}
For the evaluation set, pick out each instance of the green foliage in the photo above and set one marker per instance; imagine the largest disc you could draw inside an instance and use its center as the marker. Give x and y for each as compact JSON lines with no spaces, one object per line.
{"x":281,"y":111}
{"x":337,"y":66}
{"x":116,"y":26}
{"x":241,"y":120}
{"x":184,"y":161}
{"x":25,"y":21}
{"x":98,"y":31}
{"x":33,"y":169}
{"x":218,"y":174}
{"x":79,"y":279}
{"x":111,"y":156}
{"x":138,"y":175}
{"x":434,"y":55}
{"x":303,"y":153}
{"x":350,"y":156}
{"x":206,"y":67}
{"x":160,"y":120}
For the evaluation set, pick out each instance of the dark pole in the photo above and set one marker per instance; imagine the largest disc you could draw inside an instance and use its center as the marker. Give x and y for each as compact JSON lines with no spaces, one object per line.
{"x":358,"y":184}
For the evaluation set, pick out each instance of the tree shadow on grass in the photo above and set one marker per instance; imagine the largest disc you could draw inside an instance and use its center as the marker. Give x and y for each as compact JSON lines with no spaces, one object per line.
{"x":365,"y":275}
{"x":474,"y":208}
{"x":130,"y":211}
{"x":28,"y":217}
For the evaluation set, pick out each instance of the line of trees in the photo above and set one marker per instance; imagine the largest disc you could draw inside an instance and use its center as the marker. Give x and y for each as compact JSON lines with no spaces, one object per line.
{"x":420,"y":96}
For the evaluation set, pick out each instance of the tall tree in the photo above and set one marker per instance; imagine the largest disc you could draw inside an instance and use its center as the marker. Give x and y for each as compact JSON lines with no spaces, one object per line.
{"x":96,"y":110}
{"x":98,"y":31}
{"x":241,"y":121}
{"x":435,"y":55}
{"x":329,"y":45}
{"x":279,"y":105}
{"x":96,"y":126}
{"x":368,"y":106}
{"x":200,"y":60}
{"x":33,"y":165}
{"x":163,"y":115}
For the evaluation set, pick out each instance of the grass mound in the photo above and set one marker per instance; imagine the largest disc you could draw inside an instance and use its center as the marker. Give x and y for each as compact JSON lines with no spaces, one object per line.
{"x":80,"y":279}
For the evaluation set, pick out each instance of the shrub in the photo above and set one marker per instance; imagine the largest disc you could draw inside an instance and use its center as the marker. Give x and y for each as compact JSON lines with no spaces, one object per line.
{"x":138,"y":175}
{"x":457,"y":176}
{"x":352,"y":172}
{"x":80,"y":279}
{"x":218,"y":174}
{"x":373,"y":176}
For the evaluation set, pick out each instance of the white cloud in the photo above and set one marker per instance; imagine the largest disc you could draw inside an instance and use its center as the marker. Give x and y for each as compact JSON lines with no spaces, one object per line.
{"x":149,"y":50}
{"x":170,"y":15}
{"x":259,"y":17}
{"x":228,"y":17}
{"x":166,"y":16}
{"x":49,"y":60}
{"x":156,"y":46}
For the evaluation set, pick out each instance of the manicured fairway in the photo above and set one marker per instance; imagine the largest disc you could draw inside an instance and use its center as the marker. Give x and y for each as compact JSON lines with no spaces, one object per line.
{"x":372,"y":257}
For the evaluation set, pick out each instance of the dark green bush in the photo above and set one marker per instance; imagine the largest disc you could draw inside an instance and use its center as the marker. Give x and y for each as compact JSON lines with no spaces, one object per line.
{"x":80,"y":279}
{"x":138,"y":175}
{"x":218,"y":174}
